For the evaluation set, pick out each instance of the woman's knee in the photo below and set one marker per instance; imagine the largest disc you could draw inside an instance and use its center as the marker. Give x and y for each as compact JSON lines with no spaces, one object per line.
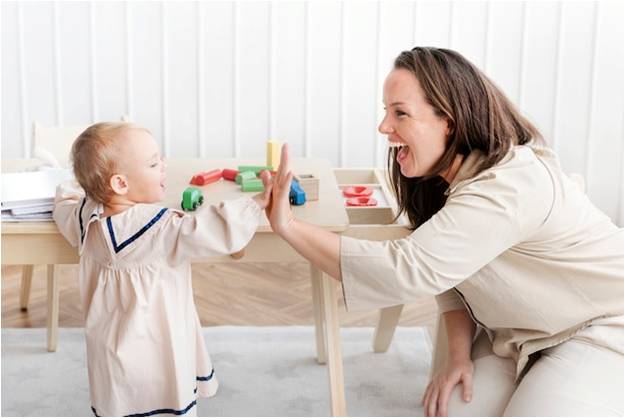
{"x":493,"y":385}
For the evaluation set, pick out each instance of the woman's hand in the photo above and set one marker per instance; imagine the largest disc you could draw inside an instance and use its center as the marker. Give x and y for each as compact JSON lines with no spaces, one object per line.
{"x":279,"y":209}
{"x":437,"y":394}
{"x":264,"y":199}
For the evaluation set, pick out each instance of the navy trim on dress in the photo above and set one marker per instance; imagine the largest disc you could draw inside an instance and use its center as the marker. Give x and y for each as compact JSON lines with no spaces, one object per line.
{"x":205,"y":378}
{"x":169,"y":411}
{"x":82,"y":229}
{"x":129,"y":241}
{"x":158,"y":411}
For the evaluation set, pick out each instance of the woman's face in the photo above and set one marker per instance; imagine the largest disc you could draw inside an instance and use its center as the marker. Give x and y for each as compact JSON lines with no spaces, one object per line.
{"x":411,"y":124}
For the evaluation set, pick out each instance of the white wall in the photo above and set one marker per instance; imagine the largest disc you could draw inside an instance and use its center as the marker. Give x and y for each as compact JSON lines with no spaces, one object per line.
{"x":219,"y":78}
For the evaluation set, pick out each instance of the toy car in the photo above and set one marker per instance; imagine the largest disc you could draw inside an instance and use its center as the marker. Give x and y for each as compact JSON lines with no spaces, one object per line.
{"x":297,"y":196}
{"x":191,"y":198}
{"x":202,"y":179}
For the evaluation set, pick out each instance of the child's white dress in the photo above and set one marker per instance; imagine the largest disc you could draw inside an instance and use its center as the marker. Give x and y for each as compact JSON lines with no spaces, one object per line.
{"x":145,"y":351}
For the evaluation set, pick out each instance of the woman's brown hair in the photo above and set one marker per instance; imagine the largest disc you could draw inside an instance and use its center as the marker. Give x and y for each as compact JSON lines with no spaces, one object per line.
{"x":479,"y":115}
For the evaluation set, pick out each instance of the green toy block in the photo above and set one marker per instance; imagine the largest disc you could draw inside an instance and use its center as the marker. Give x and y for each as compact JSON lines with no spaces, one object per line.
{"x":244,"y":175}
{"x":254,"y":185}
{"x":255,"y":168}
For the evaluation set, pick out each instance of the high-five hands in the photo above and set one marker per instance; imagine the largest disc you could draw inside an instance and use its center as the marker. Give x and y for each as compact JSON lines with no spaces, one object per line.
{"x":279,"y":209}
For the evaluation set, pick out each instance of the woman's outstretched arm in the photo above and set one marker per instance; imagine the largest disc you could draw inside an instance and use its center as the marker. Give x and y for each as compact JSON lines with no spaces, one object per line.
{"x":320,"y":247}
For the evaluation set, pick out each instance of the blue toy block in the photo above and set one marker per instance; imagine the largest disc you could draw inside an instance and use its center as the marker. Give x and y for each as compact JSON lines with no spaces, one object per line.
{"x":297,"y":196}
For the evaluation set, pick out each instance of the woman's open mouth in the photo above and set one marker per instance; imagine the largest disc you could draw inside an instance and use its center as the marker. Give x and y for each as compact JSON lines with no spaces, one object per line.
{"x":402,"y":150}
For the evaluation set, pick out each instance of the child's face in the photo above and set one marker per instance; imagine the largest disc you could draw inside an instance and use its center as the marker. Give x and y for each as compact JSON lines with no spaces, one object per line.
{"x":142,"y":166}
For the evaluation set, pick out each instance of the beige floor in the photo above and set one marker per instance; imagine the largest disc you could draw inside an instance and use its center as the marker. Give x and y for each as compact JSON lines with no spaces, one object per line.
{"x":225,"y":294}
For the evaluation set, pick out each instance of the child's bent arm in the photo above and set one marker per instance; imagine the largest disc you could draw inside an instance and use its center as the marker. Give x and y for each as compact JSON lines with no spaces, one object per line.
{"x":214,"y":230}
{"x":66,"y":207}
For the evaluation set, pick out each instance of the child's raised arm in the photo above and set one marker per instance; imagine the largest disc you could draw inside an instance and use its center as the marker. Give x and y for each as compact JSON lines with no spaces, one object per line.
{"x":213,"y":230}
{"x":69,"y":197}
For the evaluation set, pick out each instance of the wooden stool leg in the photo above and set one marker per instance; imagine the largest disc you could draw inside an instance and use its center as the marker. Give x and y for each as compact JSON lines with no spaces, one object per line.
{"x":52,"y":321}
{"x":315,"y":284}
{"x":389,"y":318}
{"x":27,"y":277}
{"x":335,"y":359}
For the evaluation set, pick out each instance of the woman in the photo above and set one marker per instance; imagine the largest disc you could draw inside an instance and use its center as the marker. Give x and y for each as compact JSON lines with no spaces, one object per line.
{"x":527,"y":272}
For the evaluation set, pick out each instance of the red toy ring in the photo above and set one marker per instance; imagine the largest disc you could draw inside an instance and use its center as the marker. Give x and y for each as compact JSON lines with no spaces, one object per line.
{"x":357,"y":191}
{"x":361,"y":201}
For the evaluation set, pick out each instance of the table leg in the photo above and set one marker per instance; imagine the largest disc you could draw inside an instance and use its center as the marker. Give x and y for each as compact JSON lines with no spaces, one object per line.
{"x":334,"y":357}
{"x":27,"y":278}
{"x":52,"y":321}
{"x":317,"y":298}
{"x":389,"y":318}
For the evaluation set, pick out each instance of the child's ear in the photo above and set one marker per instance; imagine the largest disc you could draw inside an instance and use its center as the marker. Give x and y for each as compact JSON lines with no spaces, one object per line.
{"x":119,"y":184}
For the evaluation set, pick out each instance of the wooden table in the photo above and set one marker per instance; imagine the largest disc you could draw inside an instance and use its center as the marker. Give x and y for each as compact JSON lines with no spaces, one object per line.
{"x":31,"y":243}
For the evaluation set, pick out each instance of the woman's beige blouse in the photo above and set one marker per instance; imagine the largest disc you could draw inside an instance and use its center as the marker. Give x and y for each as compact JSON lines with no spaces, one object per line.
{"x":145,"y":350}
{"x":519,"y":244}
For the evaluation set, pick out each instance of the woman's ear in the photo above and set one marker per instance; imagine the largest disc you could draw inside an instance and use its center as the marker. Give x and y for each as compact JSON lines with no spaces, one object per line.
{"x":119,"y":184}
{"x":450,"y":127}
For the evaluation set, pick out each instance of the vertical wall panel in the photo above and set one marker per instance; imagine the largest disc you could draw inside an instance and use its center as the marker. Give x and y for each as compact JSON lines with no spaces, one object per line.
{"x":574,"y":97}
{"x":541,"y":60}
{"x":470,"y":30}
{"x":12,"y":136}
{"x":145,"y":42}
{"x":605,"y":153}
{"x":253,"y":99}
{"x":218,"y":76}
{"x":396,"y":33}
{"x":110,"y":59}
{"x":38,"y":63}
{"x":359,"y":118}
{"x":74,"y":62}
{"x":433,"y":23}
{"x":182,"y":78}
{"x":289,"y":74}
{"x":325,"y":33}
{"x":505,"y":46}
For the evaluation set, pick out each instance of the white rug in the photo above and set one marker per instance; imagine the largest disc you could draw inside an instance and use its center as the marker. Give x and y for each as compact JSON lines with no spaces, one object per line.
{"x":263,"y":371}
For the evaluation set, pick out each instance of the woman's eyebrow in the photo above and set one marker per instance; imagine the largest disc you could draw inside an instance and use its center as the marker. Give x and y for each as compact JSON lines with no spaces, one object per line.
{"x":395,"y":104}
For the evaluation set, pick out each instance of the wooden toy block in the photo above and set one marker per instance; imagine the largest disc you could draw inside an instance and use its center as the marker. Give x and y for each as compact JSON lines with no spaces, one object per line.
{"x":310,"y":184}
{"x":204,"y":178}
{"x":252,"y":185}
{"x":229,"y":174}
{"x":255,"y":168}
{"x":273,"y":153}
{"x":297,"y":196}
{"x":244,"y":175}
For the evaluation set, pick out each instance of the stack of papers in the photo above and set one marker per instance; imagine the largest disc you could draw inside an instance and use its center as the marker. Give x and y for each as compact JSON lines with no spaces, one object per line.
{"x":29,"y":196}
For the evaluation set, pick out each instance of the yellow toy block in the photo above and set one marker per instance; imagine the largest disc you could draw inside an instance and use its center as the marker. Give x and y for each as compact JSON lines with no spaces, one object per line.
{"x":273,"y":153}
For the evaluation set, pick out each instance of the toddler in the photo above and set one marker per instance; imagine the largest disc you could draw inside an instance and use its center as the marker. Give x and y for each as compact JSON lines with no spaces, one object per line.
{"x":145,"y":351}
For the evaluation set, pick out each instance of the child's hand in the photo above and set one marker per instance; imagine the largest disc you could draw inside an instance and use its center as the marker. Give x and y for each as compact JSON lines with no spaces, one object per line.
{"x":279,"y":210}
{"x":264,"y":198}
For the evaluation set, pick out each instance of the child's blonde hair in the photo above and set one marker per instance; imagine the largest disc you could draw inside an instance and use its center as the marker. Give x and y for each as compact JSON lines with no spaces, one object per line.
{"x":94,"y":154}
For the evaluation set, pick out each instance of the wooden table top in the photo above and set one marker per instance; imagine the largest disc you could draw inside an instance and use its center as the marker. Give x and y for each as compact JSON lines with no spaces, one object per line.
{"x":328,"y":212}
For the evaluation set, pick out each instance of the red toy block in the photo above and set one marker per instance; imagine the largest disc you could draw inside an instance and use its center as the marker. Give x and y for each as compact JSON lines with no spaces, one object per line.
{"x":361,"y":201}
{"x":230,"y":174}
{"x":357,"y":191}
{"x":202,"y":179}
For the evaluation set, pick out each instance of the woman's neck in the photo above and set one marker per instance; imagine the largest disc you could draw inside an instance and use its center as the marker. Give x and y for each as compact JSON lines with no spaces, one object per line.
{"x":451,"y":172}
